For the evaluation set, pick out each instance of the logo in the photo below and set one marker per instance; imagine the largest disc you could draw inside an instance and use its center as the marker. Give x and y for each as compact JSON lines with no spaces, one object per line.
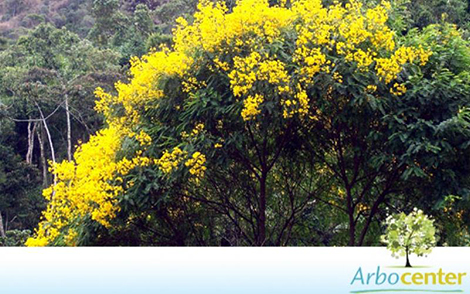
{"x":407,"y":278}
{"x":406,"y":235}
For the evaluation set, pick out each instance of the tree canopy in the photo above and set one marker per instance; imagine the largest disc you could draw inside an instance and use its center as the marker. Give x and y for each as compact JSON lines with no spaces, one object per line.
{"x":263,"y":124}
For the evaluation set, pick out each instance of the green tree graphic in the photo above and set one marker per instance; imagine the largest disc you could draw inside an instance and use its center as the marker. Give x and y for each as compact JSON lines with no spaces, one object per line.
{"x":407,"y":234}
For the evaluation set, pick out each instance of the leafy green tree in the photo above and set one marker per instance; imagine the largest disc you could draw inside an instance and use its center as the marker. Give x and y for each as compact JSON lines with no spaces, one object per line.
{"x":155,"y":40}
{"x":20,"y":191}
{"x":168,"y":12}
{"x":421,"y":13}
{"x":109,"y":22}
{"x":142,"y":20}
{"x":73,"y":14}
{"x":130,"y":5}
{"x":50,"y":70}
{"x":123,"y":33}
{"x":258,"y":129}
{"x":408,"y":234}
{"x":132,"y":42}
{"x":356,"y":140}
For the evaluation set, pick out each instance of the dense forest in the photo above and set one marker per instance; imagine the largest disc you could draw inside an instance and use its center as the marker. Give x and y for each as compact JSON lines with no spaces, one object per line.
{"x":280,"y":123}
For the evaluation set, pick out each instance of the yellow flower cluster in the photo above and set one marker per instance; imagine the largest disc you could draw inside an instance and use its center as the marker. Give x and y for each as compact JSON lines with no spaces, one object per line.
{"x":251,"y":108}
{"x":313,"y":61}
{"x":243,"y":75}
{"x":145,"y":74}
{"x":398,"y":89}
{"x":196,"y":164}
{"x":298,"y":105}
{"x":371,"y":88}
{"x":71,"y":237}
{"x":389,"y":68}
{"x":338,"y":77}
{"x":252,"y":69}
{"x":361,"y":207}
{"x":361,"y":35}
{"x":143,"y":138}
{"x":239,"y":45}
{"x":171,"y":160}
{"x":85,"y":187}
{"x":213,"y":26}
{"x":197,"y":129}
{"x":362,"y":58}
{"x":350,"y":31}
{"x":191,"y":84}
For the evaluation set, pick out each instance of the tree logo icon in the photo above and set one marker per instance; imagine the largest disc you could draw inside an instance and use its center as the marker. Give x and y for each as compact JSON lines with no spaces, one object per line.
{"x":408,"y":234}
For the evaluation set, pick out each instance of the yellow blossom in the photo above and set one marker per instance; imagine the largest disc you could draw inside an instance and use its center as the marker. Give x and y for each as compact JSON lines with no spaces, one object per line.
{"x":196,"y":164}
{"x":251,"y":108}
{"x":170,"y":161}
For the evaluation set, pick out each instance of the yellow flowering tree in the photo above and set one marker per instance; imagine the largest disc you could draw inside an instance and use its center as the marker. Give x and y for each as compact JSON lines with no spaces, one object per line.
{"x":252,"y":118}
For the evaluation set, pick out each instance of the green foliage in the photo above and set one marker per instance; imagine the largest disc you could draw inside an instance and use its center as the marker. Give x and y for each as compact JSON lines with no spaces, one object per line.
{"x":134,"y":33}
{"x":452,"y":220}
{"x":142,"y":20}
{"x":3,"y":43}
{"x":155,"y":40}
{"x":429,"y":120}
{"x":48,"y":63}
{"x":425,"y":12}
{"x":168,"y":12}
{"x":15,"y":238}
{"x":109,"y":22}
{"x":20,"y":191}
{"x":408,"y":234}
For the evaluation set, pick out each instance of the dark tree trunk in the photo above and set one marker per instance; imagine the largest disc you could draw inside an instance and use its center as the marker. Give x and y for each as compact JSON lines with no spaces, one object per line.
{"x":352,"y":231}
{"x":262,"y":212}
{"x":352,"y":221}
{"x":407,"y":258}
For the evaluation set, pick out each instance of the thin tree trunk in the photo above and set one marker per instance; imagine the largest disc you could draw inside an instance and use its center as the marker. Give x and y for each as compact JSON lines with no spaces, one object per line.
{"x":2,"y":231}
{"x":28,"y":154}
{"x":375,"y":207}
{"x":31,"y":131}
{"x":51,"y":145}
{"x":352,"y":221}
{"x":352,"y":230}
{"x":43,"y":157}
{"x":69,"y":129}
{"x":262,"y":212}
